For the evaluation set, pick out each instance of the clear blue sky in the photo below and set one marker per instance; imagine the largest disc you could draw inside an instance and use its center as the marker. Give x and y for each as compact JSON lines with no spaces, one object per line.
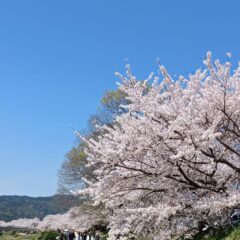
{"x":58,"y":57}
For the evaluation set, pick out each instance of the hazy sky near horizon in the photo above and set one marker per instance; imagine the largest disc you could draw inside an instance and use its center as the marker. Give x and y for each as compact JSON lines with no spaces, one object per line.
{"x":57,"y":58}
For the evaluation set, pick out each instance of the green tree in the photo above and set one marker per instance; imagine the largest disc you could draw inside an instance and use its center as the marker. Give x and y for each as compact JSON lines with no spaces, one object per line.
{"x":73,"y":168}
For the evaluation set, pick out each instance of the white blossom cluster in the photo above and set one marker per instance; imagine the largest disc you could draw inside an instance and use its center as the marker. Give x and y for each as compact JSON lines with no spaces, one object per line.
{"x":74,"y":219}
{"x":21,"y":223}
{"x":172,"y":160}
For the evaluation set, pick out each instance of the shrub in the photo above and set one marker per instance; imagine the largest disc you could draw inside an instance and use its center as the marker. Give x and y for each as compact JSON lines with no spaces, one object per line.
{"x":50,"y":235}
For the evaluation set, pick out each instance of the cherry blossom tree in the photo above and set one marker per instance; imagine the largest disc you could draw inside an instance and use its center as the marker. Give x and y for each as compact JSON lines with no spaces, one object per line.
{"x":170,"y":164}
{"x":21,"y":223}
{"x":77,"y":218}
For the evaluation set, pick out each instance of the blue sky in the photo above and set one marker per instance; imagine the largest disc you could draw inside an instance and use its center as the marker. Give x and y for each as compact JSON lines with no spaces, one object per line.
{"x":57,"y":58}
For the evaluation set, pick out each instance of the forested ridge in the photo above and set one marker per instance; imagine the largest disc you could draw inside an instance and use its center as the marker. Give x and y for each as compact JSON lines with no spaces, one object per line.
{"x":14,"y":207}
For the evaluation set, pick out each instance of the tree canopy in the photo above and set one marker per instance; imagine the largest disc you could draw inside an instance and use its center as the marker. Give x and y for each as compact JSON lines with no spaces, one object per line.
{"x":170,"y":163}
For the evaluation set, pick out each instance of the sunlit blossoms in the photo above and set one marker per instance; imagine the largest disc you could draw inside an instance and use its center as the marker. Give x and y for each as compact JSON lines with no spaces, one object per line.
{"x":76,"y":219}
{"x":171,"y":163}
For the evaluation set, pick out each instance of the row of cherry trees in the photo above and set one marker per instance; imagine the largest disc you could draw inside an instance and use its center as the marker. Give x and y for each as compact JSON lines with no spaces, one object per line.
{"x":77,"y":218}
{"x":170,"y":164}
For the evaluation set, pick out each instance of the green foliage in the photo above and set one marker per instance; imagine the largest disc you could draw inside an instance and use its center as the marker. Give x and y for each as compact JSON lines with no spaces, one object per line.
{"x":18,"y":236}
{"x":74,"y":168}
{"x":111,"y":96}
{"x":224,"y":233}
{"x":104,"y":236}
{"x":11,"y":232}
{"x":14,"y":207}
{"x":49,"y":235}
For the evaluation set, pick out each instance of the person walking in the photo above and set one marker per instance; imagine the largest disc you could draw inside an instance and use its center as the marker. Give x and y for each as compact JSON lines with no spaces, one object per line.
{"x":71,"y":235}
{"x":97,"y":236}
{"x":77,"y":236}
{"x":67,"y":234}
{"x":88,"y":237}
{"x":84,"y":236}
{"x":80,"y":236}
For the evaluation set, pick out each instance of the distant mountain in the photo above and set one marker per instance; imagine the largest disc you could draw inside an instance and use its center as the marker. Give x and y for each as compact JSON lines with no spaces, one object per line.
{"x":14,"y":207}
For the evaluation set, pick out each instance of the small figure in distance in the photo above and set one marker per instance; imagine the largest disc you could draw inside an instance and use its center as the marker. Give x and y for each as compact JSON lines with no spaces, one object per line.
{"x":97,"y":236}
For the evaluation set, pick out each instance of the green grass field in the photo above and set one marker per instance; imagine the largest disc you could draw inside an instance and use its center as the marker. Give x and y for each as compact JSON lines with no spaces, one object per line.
{"x":19,"y":237}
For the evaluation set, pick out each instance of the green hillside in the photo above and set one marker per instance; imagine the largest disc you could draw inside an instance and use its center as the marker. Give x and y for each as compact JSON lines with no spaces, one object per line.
{"x":14,"y":207}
